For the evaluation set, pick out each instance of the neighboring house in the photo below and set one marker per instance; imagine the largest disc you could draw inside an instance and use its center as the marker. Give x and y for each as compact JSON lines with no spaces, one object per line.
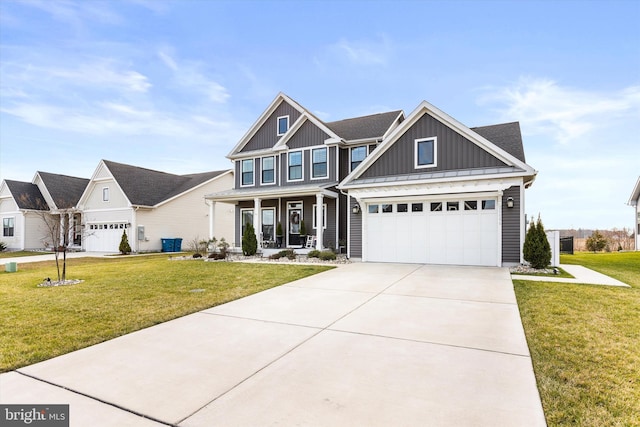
{"x":634,"y":201}
{"x":151,"y":205}
{"x":26,"y":206}
{"x":420,"y":189}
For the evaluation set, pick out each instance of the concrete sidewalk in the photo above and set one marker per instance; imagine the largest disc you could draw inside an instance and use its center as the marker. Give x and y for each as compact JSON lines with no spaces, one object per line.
{"x":582,"y":275}
{"x":363,"y":344}
{"x":52,"y":257}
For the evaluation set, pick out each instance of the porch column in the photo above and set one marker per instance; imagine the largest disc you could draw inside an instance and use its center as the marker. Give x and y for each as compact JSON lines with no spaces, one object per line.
{"x":257,"y":219}
{"x":212,"y":217}
{"x":319,"y":220}
{"x":71,"y":229}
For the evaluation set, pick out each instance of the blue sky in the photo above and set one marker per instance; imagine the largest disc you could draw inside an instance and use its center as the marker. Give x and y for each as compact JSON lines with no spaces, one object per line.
{"x":173,"y":85}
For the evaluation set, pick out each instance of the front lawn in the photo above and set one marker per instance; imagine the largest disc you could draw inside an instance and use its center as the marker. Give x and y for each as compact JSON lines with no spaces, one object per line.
{"x":118,"y":296}
{"x":585,"y":343}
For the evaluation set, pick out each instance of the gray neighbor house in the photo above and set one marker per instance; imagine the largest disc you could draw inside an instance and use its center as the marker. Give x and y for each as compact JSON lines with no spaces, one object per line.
{"x":421,"y":188}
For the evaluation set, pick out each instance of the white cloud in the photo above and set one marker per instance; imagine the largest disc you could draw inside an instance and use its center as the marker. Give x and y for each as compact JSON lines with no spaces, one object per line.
{"x":361,"y":52}
{"x":565,"y":113}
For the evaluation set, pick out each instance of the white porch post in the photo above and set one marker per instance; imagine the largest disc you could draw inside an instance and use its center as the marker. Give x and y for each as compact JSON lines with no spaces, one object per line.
{"x":257,"y":220}
{"x":319,"y":220}
{"x":212,"y":217}
{"x":70,"y":229}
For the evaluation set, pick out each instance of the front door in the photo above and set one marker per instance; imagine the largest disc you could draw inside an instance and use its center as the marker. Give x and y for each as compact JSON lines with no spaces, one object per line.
{"x":294,"y":213}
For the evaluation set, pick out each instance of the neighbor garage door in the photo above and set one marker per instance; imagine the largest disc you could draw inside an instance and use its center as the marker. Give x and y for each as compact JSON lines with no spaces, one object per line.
{"x":104,"y":237}
{"x":433,"y":231}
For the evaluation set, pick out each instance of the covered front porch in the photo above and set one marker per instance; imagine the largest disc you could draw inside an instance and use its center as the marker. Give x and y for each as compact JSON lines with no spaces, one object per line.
{"x":286,"y":217}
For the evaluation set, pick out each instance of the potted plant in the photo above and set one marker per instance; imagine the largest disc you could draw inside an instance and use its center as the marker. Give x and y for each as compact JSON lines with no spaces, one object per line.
{"x":279,"y":235}
{"x":303,"y":233}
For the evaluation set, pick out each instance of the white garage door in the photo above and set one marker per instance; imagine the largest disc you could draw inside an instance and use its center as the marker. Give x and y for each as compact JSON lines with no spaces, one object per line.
{"x":104,"y":237}
{"x":457,"y":232}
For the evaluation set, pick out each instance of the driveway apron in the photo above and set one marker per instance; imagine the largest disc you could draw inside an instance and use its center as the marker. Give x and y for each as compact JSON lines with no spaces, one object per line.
{"x":363,"y":344}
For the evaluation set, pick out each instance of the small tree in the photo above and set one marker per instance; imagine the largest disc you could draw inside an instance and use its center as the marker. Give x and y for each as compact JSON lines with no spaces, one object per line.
{"x":596,"y":242}
{"x":249,"y":241}
{"x":536,"y":249}
{"x":124,"y":247}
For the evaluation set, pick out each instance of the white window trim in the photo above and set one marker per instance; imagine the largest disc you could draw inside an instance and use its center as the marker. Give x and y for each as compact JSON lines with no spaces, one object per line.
{"x":253,"y":180}
{"x":275,"y":220}
{"x":324,"y":214}
{"x":278,"y":125}
{"x":301,"y":165}
{"x":105,"y":192}
{"x":13,"y":225}
{"x":435,"y":152}
{"x":351,"y":150}
{"x":242,"y":210}
{"x":325,"y":176}
{"x":274,"y":170}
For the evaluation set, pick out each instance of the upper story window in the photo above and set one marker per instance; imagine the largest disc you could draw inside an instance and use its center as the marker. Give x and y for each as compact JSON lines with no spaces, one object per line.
{"x":247,"y":172}
{"x":105,"y":194}
{"x":425,"y":155}
{"x":7,"y":227}
{"x":295,"y":166}
{"x":283,"y":125}
{"x":319,"y":163}
{"x":268,"y":170}
{"x":357,"y":156}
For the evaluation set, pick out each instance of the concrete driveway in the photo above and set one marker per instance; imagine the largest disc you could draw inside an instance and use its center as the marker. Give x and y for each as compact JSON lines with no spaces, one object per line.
{"x":361,"y":345}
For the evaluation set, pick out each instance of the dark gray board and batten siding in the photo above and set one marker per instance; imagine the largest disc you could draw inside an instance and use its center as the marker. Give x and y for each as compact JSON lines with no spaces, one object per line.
{"x":267,"y":135}
{"x":511,"y":226}
{"x":454,"y":152}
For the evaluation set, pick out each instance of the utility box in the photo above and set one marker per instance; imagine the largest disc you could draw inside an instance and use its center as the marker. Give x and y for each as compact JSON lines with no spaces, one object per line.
{"x":11,"y":267}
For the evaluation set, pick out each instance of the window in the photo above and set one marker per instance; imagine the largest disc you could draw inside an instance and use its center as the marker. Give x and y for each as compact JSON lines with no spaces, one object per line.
{"x":373,"y":208}
{"x":268,"y":221}
{"x":488,"y":204}
{"x":268,"y":170}
{"x":425,"y":153}
{"x":387,"y":208}
{"x":7,"y":227}
{"x":436,"y":207}
{"x":453,"y":206}
{"x":416,"y":207}
{"x":324,"y":216}
{"x":357,"y":156}
{"x":402,"y":207}
{"x":295,"y":166}
{"x":246,"y":215}
{"x":319,"y":163}
{"x":471,"y":205}
{"x":283,"y":125}
{"x":105,"y":194}
{"x":247,"y":172}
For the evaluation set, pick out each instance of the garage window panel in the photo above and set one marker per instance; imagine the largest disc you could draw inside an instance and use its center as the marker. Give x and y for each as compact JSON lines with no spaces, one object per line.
{"x":488,"y":204}
{"x":416,"y":207}
{"x":387,"y":208}
{"x":436,"y":207}
{"x":471,"y":205}
{"x":373,"y":208}
{"x":453,"y":206}
{"x":402,"y":207}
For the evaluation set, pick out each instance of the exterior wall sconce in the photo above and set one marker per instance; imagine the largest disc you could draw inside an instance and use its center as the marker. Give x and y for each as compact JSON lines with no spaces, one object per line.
{"x":356,"y":209}
{"x":510,"y":202}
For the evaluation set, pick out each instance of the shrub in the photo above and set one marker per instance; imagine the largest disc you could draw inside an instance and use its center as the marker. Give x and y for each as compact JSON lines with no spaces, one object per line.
{"x":314,"y":254}
{"x":327,"y":255}
{"x":197,"y":255}
{"x":536,"y":249}
{"x":596,"y":242}
{"x":124,"y":247}
{"x":288,"y":253}
{"x":249,"y":241}
{"x":3,"y":246}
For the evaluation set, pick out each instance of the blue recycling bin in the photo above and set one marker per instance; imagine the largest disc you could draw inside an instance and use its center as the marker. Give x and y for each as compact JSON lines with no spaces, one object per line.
{"x":177,"y":245}
{"x":167,"y":245}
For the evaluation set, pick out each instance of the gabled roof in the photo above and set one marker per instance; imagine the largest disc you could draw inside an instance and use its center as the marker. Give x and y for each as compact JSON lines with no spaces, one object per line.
{"x":373,"y":126}
{"x":27,"y":195}
{"x":64,"y":190}
{"x":517,"y":165}
{"x":633,"y":200}
{"x":147,"y":187}
{"x":506,"y":136}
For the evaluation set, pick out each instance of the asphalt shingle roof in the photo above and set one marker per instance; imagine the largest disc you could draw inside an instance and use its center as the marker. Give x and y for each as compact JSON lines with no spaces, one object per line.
{"x":27,"y":195}
{"x":146,"y":187}
{"x":65,"y":190}
{"x":372,"y":126}
{"x":506,"y":136}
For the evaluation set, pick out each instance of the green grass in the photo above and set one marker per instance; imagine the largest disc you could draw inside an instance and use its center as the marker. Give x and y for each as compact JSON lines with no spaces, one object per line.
{"x":17,"y":254}
{"x":585,"y":343}
{"x":118,"y":296}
